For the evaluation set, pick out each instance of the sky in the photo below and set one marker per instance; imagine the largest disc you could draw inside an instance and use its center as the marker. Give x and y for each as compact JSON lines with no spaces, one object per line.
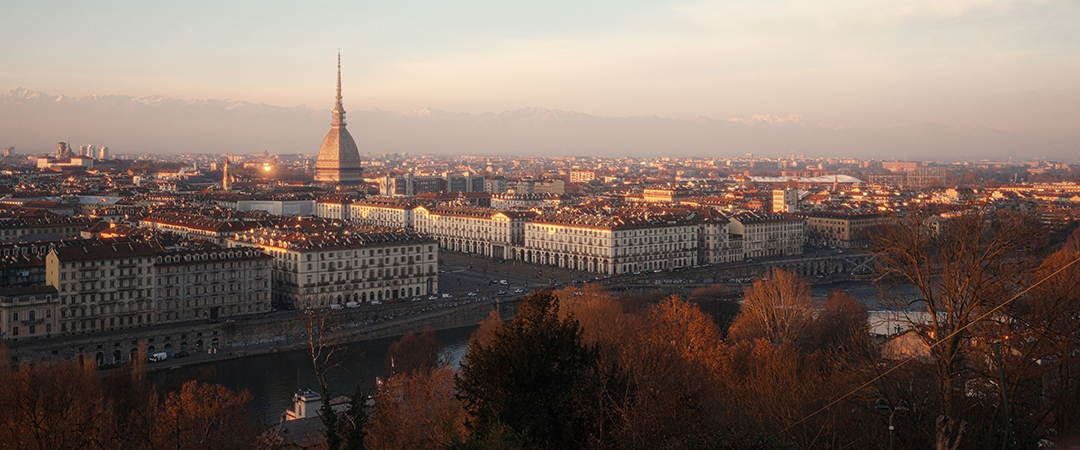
{"x":1002,"y":64}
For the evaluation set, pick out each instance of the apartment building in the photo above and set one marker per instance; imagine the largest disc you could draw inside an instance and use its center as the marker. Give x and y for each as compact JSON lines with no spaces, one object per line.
{"x":211,"y":283}
{"x":511,"y":201}
{"x":319,"y":266}
{"x":385,"y":212}
{"x":842,"y":229}
{"x":610,"y":244}
{"x":769,"y":234}
{"x":485,"y":231}
{"x":52,"y":224}
{"x":715,"y":245}
{"x":27,"y":312}
{"x":103,"y":287}
{"x":334,"y":207}
{"x":194,"y":226}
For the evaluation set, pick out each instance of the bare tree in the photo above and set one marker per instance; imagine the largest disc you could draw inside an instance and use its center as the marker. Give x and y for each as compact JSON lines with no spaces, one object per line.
{"x":948,"y":271}
{"x":778,"y":309}
{"x":324,"y":348}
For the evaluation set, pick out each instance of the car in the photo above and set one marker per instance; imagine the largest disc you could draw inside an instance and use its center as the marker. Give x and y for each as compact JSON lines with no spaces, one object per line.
{"x":519,"y":290}
{"x":472,"y":294}
{"x":376,"y":302}
{"x":501,"y":293}
{"x":180,"y":354}
{"x":352,"y":305}
{"x":433,"y":297}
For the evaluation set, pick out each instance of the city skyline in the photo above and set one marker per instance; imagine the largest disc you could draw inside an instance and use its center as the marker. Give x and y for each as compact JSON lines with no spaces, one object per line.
{"x":1002,"y":66}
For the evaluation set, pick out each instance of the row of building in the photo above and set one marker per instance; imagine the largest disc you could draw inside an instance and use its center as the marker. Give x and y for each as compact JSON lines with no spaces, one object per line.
{"x":605,"y":243}
{"x":90,"y":285}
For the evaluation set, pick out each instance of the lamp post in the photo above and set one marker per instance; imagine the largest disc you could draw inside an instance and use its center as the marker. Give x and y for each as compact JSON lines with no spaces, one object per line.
{"x":883,"y":406}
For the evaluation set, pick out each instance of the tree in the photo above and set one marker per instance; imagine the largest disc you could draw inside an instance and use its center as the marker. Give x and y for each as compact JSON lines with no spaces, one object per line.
{"x":536,"y":377}
{"x":55,"y":405}
{"x":323,"y":346}
{"x":413,"y":353}
{"x":777,"y":308}
{"x":673,"y":366}
{"x":205,"y":416}
{"x":417,"y":410}
{"x":952,"y":270}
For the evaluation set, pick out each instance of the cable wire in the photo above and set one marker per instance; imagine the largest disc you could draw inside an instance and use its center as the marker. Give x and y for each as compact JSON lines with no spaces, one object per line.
{"x":935,"y":344}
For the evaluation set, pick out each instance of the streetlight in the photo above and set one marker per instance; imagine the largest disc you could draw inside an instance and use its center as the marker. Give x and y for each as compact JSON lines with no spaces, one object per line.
{"x":883,"y":406}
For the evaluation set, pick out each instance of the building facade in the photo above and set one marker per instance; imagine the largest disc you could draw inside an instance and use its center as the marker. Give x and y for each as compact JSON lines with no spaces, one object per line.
{"x":103,"y":287}
{"x":27,"y":312}
{"x":485,"y":231}
{"x":842,"y":229}
{"x":610,"y":244}
{"x":211,"y":283}
{"x":321,"y":268}
{"x":383,"y":212}
{"x":772,"y":234}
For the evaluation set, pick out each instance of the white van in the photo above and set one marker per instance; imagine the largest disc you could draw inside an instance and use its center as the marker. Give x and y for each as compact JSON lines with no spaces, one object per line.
{"x":335,"y":306}
{"x":158,"y":357}
{"x":352,"y":305}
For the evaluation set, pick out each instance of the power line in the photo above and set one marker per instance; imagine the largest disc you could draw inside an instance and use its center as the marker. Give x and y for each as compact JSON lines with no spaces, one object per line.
{"x":935,"y":344}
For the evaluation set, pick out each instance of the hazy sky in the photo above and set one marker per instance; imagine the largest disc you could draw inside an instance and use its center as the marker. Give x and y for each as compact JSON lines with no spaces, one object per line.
{"x":1006,"y":64}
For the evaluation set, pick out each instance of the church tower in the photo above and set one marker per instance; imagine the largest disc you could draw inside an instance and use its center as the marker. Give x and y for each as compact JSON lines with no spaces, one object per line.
{"x":339,"y":159}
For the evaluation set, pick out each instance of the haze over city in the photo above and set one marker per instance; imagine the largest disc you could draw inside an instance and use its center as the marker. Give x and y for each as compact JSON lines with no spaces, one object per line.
{"x":917,"y":80}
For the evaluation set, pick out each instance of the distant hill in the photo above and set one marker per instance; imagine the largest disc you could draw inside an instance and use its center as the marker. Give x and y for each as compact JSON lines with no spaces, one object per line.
{"x":34,"y":122}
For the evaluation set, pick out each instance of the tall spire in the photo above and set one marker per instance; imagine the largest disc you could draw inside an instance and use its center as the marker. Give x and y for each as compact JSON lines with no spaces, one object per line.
{"x":339,"y":109}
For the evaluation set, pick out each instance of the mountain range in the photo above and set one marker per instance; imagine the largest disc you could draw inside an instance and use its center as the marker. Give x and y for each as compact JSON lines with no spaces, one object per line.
{"x":33,"y":122}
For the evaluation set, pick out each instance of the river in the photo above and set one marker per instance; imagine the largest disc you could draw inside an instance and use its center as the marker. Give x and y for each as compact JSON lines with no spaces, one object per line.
{"x":273,"y":378}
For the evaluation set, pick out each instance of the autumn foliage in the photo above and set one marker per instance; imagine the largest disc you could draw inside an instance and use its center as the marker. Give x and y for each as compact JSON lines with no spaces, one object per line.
{"x":65,"y":405}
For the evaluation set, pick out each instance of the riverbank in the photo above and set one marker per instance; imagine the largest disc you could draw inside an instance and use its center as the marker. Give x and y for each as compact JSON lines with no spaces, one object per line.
{"x":468,"y":313}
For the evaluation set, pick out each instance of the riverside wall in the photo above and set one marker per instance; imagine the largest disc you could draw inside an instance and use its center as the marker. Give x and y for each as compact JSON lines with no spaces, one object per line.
{"x":284,"y":331}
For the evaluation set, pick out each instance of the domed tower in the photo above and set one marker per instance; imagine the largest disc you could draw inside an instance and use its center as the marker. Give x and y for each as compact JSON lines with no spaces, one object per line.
{"x":339,"y":159}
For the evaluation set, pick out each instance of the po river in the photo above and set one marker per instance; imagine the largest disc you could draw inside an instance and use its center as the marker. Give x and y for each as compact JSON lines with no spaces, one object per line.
{"x":272,"y":379}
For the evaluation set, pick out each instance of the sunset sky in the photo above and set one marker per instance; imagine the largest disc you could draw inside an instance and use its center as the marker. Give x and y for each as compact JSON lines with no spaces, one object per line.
{"x":1005,"y":64}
